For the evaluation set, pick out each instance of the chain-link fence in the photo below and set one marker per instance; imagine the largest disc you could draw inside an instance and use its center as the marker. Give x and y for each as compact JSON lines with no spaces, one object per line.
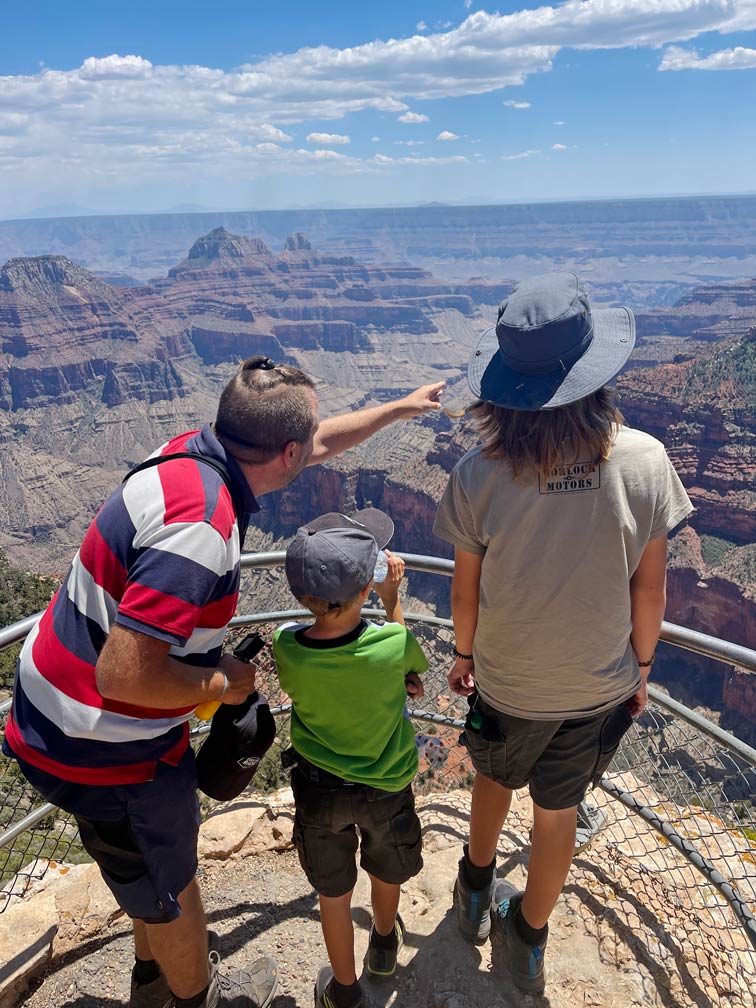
{"x":675,"y":812}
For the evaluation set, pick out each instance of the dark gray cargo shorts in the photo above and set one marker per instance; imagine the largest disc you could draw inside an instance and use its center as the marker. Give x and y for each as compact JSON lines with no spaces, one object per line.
{"x":556,"y":759}
{"x":328,"y":813}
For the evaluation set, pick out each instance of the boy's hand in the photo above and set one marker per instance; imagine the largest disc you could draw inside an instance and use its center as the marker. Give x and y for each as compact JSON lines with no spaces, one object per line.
{"x":414,"y":684}
{"x":388,"y":590}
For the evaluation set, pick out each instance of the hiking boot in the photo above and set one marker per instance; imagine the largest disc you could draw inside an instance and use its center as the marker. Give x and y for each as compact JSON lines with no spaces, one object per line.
{"x":381,"y":962}
{"x":323,"y":998}
{"x":525,"y":961}
{"x":157,"y":994}
{"x":473,"y":907}
{"x":253,"y":987}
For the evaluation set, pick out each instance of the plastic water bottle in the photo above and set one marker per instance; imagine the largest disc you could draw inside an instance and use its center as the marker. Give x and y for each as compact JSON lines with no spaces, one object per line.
{"x":381,"y":567}
{"x":433,"y":749}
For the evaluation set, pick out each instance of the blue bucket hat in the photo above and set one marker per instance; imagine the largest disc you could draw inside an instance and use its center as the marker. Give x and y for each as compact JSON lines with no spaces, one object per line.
{"x":548,"y":347}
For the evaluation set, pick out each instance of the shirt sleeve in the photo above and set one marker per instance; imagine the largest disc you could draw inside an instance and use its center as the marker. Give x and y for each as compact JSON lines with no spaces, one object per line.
{"x":414,"y":656}
{"x":455,"y":522}
{"x":672,"y":502}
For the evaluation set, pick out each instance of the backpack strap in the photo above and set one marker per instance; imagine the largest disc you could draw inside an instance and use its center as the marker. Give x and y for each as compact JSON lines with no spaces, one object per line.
{"x":213,"y":463}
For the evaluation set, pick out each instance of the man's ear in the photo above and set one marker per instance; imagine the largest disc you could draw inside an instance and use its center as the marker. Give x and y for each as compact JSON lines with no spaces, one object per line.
{"x":289,"y":453}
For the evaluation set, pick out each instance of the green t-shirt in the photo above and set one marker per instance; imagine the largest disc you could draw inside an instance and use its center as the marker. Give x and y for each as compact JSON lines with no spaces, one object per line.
{"x":348,"y":699}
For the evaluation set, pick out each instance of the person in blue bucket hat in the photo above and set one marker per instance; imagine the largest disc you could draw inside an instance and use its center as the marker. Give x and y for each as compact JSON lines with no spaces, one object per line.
{"x":559,"y":522}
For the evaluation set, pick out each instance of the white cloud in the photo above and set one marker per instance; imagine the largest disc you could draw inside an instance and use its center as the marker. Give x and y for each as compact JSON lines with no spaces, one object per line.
{"x":375,"y":139}
{"x":739,"y":58}
{"x":416,"y":160}
{"x":446,"y":135}
{"x":328,"y":138}
{"x":558,"y":122}
{"x":468,"y":4}
{"x":409,"y":143}
{"x":559,"y":147}
{"x":115,"y":67}
{"x":520,"y":156}
{"x":413,"y":117}
{"x":421,"y":26}
{"x":272,"y":133}
{"x":321,"y":155}
{"x":516,"y":104}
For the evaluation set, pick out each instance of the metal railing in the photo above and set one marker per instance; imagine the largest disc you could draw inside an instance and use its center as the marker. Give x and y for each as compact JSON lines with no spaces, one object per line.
{"x":677,"y":806}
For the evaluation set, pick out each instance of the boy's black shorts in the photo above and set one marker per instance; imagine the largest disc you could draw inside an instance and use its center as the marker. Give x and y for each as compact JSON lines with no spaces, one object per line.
{"x":556,"y":759}
{"x":328,"y":814}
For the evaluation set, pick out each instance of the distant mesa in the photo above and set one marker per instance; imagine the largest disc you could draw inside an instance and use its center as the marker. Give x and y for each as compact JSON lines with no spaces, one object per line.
{"x":297,"y":243}
{"x":219,"y":248}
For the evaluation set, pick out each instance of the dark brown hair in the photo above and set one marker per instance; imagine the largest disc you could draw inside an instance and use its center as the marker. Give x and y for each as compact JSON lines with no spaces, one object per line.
{"x":263,"y":408}
{"x":534,"y":442}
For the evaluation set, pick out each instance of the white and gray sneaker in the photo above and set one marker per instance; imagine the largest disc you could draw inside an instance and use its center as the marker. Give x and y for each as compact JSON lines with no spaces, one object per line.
{"x":253,"y":987}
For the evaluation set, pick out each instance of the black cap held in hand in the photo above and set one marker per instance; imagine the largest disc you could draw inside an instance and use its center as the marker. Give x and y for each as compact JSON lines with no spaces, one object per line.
{"x":239,"y":736}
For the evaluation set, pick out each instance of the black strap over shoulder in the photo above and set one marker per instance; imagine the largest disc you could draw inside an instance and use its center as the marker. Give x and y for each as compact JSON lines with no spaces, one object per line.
{"x":213,"y":463}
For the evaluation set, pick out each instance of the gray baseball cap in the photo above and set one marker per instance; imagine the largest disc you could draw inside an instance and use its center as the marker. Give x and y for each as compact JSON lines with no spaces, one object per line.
{"x":333,"y":556}
{"x":549,"y":348}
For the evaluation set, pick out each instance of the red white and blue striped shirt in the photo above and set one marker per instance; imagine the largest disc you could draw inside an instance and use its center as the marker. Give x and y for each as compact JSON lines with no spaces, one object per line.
{"x":161,"y":557}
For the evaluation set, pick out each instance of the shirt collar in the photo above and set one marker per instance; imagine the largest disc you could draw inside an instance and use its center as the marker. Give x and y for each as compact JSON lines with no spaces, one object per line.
{"x":208,"y":444}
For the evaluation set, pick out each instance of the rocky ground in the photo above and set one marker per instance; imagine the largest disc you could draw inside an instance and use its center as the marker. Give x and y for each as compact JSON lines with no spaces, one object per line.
{"x":620,"y":936}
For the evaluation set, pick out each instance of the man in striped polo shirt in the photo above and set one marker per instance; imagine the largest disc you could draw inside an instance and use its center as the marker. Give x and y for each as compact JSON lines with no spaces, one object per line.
{"x":131,"y":644}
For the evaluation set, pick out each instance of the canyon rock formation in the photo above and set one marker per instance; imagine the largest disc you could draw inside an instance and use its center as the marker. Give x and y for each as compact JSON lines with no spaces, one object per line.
{"x":94,"y":375}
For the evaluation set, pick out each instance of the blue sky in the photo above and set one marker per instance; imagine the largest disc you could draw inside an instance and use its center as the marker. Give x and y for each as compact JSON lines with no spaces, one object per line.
{"x":248,"y":105}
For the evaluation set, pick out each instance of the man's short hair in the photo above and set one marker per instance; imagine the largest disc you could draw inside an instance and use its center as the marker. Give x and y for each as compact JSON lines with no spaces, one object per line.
{"x":263,"y":408}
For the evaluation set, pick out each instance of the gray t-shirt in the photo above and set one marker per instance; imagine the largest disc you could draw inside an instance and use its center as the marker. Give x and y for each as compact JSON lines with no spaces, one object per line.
{"x":553,"y":633}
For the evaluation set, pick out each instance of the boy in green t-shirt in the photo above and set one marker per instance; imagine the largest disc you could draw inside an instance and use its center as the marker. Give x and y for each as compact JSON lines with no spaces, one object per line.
{"x":348,"y":681}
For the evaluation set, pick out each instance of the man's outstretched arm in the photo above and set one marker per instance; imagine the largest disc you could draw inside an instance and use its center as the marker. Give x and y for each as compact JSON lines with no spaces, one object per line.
{"x":337,"y":434}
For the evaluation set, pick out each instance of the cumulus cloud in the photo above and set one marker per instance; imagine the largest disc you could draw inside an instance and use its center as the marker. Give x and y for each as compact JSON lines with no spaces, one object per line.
{"x":115,"y":68}
{"x":409,"y":143}
{"x":421,"y":26}
{"x":516,"y":104}
{"x":559,"y":122}
{"x":447,"y":135}
{"x":413,"y":117}
{"x":559,"y":147}
{"x":328,"y":138}
{"x":520,"y":156}
{"x":678,"y":58}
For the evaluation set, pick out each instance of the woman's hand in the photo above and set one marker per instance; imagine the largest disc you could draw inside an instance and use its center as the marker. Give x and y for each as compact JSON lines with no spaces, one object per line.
{"x":637,"y":702}
{"x":461,"y":676}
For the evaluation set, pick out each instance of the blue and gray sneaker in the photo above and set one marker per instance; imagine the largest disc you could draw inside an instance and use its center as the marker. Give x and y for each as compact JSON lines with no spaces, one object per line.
{"x":473,"y":907}
{"x":525,"y":961}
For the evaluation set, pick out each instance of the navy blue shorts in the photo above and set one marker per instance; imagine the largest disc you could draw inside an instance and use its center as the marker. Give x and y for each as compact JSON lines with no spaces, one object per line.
{"x":142,"y":836}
